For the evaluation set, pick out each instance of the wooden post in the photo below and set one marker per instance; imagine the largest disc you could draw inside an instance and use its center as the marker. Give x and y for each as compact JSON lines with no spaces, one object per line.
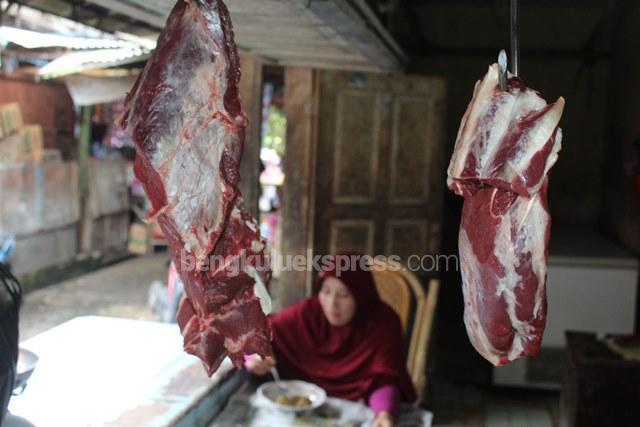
{"x":83,"y":148}
{"x":251,"y":95}
{"x":300,"y":107}
{"x":83,"y":178}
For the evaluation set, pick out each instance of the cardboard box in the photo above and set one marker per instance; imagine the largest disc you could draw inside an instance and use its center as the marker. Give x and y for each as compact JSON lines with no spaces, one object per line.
{"x":138,"y":239}
{"x":10,"y":118}
{"x":46,"y":155}
{"x":156,"y":231}
{"x":27,"y":143}
{"x":38,"y":197}
{"x":60,"y":194}
{"x":11,"y":149}
{"x":20,"y":202}
{"x":110,"y":234}
{"x":107,"y":191}
{"x":32,"y":138}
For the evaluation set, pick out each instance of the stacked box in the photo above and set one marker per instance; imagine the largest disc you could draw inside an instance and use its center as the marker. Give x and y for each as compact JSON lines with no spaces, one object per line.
{"x":20,"y":142}
{"x":27,"y":143}
{"x":11,"y":149}
{"x":38,"y":197}
{"x":32,"y":139}
{"x":138,"y":239}
{"x":106,"y":218}
{"x":46,"y":155}
{"x":40,"y":205}
{"x":10,"y":118}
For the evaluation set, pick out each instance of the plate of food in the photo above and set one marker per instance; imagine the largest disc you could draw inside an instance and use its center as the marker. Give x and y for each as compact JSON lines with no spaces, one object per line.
{"x":292,"y":396}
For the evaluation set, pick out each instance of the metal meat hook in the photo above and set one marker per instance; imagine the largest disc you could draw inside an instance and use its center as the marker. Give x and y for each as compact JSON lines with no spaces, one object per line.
{"x":515,"y":50}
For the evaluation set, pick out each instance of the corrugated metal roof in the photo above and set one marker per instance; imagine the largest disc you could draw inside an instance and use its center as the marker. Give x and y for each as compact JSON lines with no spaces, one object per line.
{"x":77,"y":62}
{"x":28,"y":18}
{"x":87,"y":48}
{"x":36,"y":40}
{"x":342,"y":34}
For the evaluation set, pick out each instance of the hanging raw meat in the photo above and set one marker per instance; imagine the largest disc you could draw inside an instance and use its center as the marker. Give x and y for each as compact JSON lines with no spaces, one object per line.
{"x":185,"y":117}
{"x":507,"y":142}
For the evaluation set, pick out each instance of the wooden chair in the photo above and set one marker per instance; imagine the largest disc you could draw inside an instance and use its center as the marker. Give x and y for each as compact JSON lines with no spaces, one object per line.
{"x":402,"y":290}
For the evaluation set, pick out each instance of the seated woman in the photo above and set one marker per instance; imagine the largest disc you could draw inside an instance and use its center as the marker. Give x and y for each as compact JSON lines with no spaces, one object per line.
{"x":346,"y":340}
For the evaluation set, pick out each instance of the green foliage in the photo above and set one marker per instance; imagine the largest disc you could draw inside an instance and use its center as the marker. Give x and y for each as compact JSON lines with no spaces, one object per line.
{"x":275,"y":133}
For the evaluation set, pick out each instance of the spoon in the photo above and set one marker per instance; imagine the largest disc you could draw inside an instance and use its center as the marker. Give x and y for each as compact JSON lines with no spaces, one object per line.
{"x":276,"y":375}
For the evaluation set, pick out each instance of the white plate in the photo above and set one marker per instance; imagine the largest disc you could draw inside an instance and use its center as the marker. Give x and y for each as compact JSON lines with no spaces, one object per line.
{"x":269,"y":392}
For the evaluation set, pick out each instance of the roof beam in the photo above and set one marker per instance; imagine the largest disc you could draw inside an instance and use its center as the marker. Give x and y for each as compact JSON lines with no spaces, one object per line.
{"x":127,"y":9}
{"x":357,"y":24}
{"x":324,"y":32}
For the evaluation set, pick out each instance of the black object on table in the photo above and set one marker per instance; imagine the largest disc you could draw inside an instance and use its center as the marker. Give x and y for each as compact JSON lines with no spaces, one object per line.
{"x":10,"y":298}
{"x":601,"y":388}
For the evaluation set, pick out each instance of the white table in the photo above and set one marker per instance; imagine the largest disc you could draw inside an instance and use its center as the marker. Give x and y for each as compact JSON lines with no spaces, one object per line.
{"x":246,"y":409}
{"x":99,"y":371}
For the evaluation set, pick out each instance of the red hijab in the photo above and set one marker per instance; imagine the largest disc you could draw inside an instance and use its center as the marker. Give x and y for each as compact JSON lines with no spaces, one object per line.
{"x":349,"y":361}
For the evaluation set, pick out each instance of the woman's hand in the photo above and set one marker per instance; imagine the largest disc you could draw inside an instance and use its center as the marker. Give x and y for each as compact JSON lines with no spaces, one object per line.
{"x":383,"y":419}
{"x":257,"y":365}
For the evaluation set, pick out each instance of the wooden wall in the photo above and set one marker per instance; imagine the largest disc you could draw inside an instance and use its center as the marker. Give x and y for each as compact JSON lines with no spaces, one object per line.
{"x":576,"y":184}
{"x":620,"y":214}
{"x":47,"y":104}
{"x":575,"y":188}
{"x":620,"y":200}
{"x":300,"y":107}
{"x":251,"y":95}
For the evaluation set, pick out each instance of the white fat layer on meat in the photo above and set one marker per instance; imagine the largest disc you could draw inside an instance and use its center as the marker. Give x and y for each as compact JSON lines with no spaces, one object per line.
{"x":536,"y":138}
{"x":482,"y":94}
{"x":201,"y":346}
{"x":489,"y":117}
{"x":257,"y":246}
{"x":260,"y":290}
{"x":537,"y":223}
{"x":188,"y":155}
{"x":197,"y":333}
{"x":531,"y":218}
{"x":251,"y":225}
{"x":231,"y":258}
{"x":534,"y":219}
{"x":234,"y":345}
{"x":557,"y":146}
{"x":227,"y":265}
{"x":195,"y":190}
{"x":470,"y":287}
{"x":508,"y":110}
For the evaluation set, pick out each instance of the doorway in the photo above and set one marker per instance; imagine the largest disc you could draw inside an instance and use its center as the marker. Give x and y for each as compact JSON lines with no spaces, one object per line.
{"x":273,"y":142}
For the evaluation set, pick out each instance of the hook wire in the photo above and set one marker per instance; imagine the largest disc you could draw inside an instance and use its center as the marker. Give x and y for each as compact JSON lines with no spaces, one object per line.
{"x":515,"y":50}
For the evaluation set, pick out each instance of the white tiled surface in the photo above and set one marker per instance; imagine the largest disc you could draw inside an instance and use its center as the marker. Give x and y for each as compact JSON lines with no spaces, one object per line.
{"x":100,"y":371}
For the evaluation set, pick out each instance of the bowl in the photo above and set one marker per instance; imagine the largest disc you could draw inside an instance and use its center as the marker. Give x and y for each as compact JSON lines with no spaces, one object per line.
{"x":274,"y":393}
{"x":26,"y":364}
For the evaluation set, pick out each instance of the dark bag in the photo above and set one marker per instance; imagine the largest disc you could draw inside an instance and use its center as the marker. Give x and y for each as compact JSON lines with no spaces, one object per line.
{"x":10,"y":297}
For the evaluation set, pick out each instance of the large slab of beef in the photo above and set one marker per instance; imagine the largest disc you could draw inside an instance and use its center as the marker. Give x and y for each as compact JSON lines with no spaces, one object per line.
{"x":507,"y":142}
{"x":185,"y":116}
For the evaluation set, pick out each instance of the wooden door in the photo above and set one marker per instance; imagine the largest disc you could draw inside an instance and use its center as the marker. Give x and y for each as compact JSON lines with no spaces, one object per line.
{"x":380,"y":172}
{"x":251,"y":95}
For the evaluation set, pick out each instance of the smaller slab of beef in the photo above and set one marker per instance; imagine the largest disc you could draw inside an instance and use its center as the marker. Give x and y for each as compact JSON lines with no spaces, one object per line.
{"x":185,"y":116}
{"x":507,"y":143}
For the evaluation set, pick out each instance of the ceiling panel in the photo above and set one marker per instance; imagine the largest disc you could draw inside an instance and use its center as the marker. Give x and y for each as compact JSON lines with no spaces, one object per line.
{"x":328,"y":33}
